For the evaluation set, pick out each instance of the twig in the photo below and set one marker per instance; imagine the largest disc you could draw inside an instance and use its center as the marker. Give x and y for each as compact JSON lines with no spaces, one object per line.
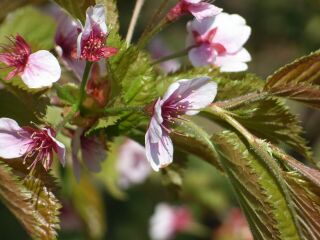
{"x":134,"y":19}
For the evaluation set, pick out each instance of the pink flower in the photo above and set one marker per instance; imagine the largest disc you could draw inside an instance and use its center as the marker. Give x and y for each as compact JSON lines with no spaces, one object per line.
{"x":234,"y":227}
{"x":183,"y":97}
{"x":66,"y":37}
{"x":38,"y":144}
{"x":93,"y":152}
{"x":37,"y":70}
{"x":168,"y":220}
{"x":198,"y":8}
{"x":219,"y":41}
{"x":132,"y":164}
{"x":92,"y":41}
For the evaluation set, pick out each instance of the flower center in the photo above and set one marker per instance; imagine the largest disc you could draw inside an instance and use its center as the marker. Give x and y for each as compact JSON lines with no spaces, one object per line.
{"x":93,"y":47}
{"x":40,"y":149}
{"x":208,"y":39}
{"x":15,"y":54}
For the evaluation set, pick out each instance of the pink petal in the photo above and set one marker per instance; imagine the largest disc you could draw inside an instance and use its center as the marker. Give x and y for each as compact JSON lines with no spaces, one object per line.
{"x":201,"y":27}
{"x":95,"y":20}
{"x":196,"y":94}
{"x":232,"y":31}
{"x":202,"y":10}
{"x":159,"y":153}
{"x":202,"y":55}
{"x":156,"y":120}
{"x":60,"y":148}
{"x":234,"y":62}
{"x":132,"y":164}
{"x":162,"y":223}
{"x":14,"y":141}
{"x":42,"y":70}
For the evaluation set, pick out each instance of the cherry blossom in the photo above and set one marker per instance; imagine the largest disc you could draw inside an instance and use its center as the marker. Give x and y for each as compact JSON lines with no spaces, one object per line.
{"x":37,"y":70}
{"x":169,"y":220}
{"x":29,"y":143}
{"x":132,"y":164}
{"x":198,"y":8}
{"x":93,"y":152}
{"x":219,"y":41}
{"x":66,"y":37}
{"x":91,"y":43}
{"x":182,"y":97}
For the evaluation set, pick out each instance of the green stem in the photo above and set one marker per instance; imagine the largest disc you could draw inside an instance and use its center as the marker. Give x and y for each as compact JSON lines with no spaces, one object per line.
{"x":238,"y":101}
{"x":83,"y":85}
{"x":174,"y":55}
{"x":257,"y":145}
{"x":77,"y":107}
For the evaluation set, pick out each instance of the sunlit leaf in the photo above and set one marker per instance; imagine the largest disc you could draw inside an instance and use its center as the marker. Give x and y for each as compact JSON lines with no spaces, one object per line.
{"x":193,"y":139}
{"x":33,"y":20}
{"x":258,"y":192}
{"x":31,"y":201}
{"x":298,"y":81}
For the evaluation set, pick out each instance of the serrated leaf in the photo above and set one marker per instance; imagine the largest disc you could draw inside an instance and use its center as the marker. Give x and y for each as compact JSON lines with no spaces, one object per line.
{"x":258,"y":192}
{"x":102,"y":123}
{"x":137,"y":77}
{"x":193,"y":139}
{"x":306,"y":197}
{"x":77,"y":8}
{"x":230,"y":85}
{"x":37,"y":28}
{"x":270,"y":119}
{"x":298,"y":80}
{"x":33,"y":203}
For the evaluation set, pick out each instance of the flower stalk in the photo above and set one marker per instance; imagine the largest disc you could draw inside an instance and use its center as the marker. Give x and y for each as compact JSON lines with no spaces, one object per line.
{"x":134,"y":19}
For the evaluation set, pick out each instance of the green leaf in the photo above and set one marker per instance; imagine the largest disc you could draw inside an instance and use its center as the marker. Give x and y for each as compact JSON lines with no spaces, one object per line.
{"x":68,"y":93}
{"x":37,"y":28}
{"x":77,"y":8}
{"x":257,"y":189}
{"x":230,"y":85}
{"x":306,"y":196}
{"x":22,"y":106}
{"x":137,"y":77}
{"x":102,"y":123}
{"x":193,"y":139}
{"x":270,"y":119}
{"x":298,"y":80}
{"x":31,"y":201}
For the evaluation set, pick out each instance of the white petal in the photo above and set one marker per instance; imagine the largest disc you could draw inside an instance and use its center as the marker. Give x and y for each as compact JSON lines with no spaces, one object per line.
{"x":61,"y":149}
{"x":203,"y":10}
{"x":42,"y":70}
{"x":232,"y":31}
{"x":132,"y":164}
{"x":234,"y":62}
{"x":14,"y":141}
{"x":159,"y":154}
{"x":202,"y":27}
{"x":95,"y":17}
{"x":195,"y":94}
{"x":162,"y":223}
